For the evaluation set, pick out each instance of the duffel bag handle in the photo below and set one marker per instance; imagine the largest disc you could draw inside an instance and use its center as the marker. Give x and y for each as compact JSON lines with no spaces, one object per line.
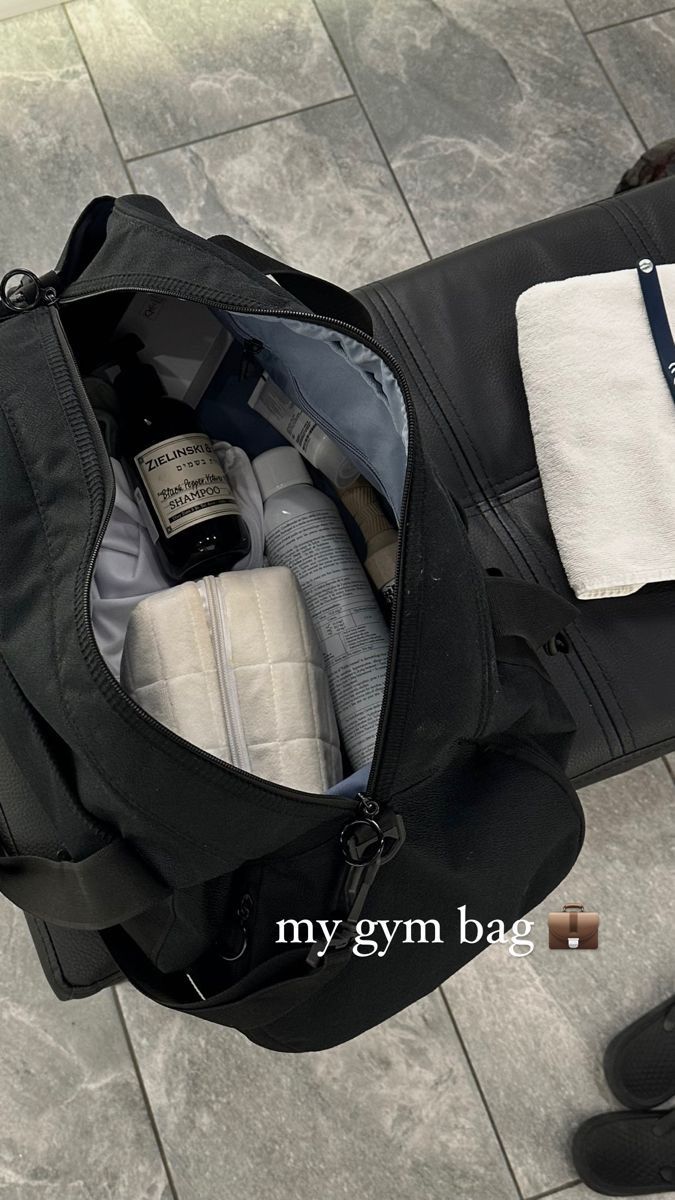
{"x":319,"y":295}
{"x":107,"y":888}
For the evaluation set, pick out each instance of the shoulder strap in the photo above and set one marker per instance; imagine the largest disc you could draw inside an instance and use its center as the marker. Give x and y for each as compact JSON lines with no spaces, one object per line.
{"x":109,"y":887}
{"x":318,"y":295}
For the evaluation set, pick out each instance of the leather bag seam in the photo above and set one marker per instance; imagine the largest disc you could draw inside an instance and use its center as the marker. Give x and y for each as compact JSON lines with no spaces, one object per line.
{"x":519,"y":528}
{"x":494,"y":510}
{"x":637,"y":225}
{"x":385,"y":312}
{"x":624,"y":226}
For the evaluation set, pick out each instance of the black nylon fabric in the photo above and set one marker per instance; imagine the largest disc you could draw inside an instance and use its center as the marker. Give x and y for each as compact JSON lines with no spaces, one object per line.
{"x":472,"y":743}
{"x":144,"y":242}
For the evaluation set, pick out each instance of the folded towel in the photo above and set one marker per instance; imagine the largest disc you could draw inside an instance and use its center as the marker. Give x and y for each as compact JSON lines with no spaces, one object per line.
{"x":603,"y":421}
{"x":232,"y":664}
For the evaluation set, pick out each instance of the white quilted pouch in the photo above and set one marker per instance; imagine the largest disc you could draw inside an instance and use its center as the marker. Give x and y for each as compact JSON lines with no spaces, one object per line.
{"x":232,"y":664}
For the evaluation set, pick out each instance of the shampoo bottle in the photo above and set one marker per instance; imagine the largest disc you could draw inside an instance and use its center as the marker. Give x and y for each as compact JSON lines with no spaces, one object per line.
{"x":177,"y":478}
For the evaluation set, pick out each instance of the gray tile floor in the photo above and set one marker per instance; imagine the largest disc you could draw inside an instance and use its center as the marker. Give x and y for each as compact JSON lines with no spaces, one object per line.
{"x":352,"y":137}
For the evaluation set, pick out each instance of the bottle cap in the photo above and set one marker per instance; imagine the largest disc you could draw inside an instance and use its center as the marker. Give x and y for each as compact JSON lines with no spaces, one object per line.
{"x":278,"y":469}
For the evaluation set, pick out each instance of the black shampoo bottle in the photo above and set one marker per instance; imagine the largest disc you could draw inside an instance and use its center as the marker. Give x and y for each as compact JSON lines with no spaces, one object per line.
{"x":175,"y":469}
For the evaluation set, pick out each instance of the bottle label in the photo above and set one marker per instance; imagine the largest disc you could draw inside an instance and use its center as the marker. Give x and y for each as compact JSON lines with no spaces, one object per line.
{"x":185,"y":482}
{"x":277,"y":408}
{"x":346,"y":616}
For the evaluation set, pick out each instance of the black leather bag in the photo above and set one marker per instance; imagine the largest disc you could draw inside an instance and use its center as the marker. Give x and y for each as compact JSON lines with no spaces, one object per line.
{"x":133,"y":853}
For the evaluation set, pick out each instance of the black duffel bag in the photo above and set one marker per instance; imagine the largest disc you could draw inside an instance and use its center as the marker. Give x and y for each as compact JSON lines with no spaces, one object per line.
{"x":136,"y":855}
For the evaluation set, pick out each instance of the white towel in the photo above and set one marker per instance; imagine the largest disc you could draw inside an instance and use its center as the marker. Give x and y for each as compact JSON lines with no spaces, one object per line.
{"x":603,"y":421}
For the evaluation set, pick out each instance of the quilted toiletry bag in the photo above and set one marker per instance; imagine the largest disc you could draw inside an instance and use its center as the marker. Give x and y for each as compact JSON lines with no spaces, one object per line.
{"x":232,"y":664}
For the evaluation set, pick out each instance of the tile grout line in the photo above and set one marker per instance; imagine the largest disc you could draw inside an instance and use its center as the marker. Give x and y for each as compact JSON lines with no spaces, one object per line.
{"x":210,"y":137}
{"x":481,"y":1093}
{"x":29,"y":11}
{"x":564,"y":1187}
{"x":373,"y":131}
{"x":146,"y":1098}
{"x":669,"y":769}
{"x":607,"y":76}
{"x":101,"y":105}
{"x":630,"y":20}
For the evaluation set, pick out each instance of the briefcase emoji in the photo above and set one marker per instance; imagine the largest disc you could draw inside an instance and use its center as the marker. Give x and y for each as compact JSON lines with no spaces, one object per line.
{"x":573,"y":929}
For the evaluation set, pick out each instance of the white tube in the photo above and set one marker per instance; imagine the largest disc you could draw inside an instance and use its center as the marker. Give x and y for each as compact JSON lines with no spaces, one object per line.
{"x":303,"y":432}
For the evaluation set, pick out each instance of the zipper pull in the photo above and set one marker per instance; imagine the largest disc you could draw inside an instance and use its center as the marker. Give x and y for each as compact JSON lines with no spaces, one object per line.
{"x":243,"y":914}
{"x":251,"y":347}
{"x":366,"y":845}
{"x":29,"y":290}
{"x":367,"y":807}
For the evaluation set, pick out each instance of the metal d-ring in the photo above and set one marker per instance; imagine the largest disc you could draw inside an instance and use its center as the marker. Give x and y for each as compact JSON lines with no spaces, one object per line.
{"x":234,"y":957}
{"x":6,"y":297}
{"x":348,"y":832}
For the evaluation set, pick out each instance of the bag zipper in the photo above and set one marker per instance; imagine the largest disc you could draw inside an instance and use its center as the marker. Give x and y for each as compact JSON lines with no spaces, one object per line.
{"x":90,"y":451}
{"x":227,"y":683}
{"x":89,"y":456}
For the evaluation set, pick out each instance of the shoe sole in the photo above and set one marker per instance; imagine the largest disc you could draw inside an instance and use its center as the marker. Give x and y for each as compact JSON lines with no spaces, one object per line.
{"x":615,"y":1050}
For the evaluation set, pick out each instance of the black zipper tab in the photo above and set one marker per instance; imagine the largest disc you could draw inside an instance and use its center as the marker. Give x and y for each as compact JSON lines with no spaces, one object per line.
{"x":366,"y":844}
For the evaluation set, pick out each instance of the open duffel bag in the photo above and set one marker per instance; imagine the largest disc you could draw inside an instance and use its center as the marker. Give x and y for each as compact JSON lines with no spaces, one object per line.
{"x":135,"y":854}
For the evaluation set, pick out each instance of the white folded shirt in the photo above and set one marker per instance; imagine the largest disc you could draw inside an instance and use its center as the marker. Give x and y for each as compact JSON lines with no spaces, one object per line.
{"x":603,"y":421}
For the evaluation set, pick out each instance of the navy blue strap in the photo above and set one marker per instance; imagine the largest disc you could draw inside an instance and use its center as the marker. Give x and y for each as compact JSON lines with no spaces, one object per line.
{"x":658,"y":319}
